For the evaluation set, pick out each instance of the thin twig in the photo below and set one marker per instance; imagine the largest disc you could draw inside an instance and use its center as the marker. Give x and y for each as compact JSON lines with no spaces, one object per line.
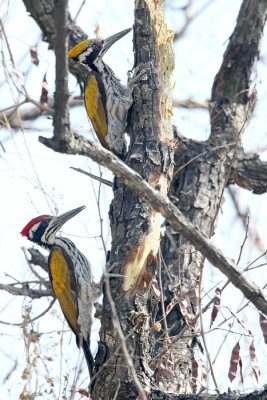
{"x":41,"y":106}
{"x":79,"y":10}
{"x":202,"y":327}
{"x":97,"y":178}
{"x":100,"y":217}
{"x":44,"y":312}
{"x":162,"y":297}
{"x":190,"y":104}
{"x":7,"y":43}
{"x":228,"y":280}
{"x":31,"y":320}
{"x":256,"y":266}
{"x":202,"y":154}
{"x":117,"y":326}
{"x":115,"y":352}
{"x":14,"y":106}
{"x":244,"y":242}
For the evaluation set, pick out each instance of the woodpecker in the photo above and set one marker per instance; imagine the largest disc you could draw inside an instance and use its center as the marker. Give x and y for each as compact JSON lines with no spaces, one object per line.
{"x":107,"y":101}
{"x":70,"y":276}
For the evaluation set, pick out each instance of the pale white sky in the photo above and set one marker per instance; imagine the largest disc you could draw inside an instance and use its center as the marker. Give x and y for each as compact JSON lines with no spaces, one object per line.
{"x":35,"y":180}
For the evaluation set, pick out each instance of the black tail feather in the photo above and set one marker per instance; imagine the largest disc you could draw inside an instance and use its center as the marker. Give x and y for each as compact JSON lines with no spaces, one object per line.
{"x":88,"y":357}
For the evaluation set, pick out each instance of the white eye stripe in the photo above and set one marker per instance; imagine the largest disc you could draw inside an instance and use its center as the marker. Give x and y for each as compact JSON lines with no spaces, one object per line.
{"x":33,"y":230}
{"x":85,"y":54}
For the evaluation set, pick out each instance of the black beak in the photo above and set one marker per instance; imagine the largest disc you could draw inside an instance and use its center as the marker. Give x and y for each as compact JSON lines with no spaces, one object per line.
{"x":63,"y":218}
{"x":112,"y":39}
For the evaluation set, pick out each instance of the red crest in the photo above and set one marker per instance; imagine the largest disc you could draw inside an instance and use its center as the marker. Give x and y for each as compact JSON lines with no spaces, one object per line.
{"x":25,"y":230}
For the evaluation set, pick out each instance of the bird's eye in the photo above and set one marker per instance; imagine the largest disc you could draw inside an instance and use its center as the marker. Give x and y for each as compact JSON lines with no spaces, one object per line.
{"x":44,"y":222}
{"x":98,"y":46}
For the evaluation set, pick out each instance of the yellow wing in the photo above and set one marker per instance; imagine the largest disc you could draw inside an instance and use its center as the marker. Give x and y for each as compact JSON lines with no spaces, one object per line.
{"x":62,"y":280}
{"x":95,"y":109}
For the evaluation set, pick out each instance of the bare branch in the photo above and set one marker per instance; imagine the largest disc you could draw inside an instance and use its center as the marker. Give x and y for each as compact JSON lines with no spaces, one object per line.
{"x":250,"y":172}
{"x":26,"y":291}
{"x":97,"y":178}
{"x":35,"y":112}
{"x":37,"y":258}
{"x":189,"y":17}
{"x":61,"y":118}
{"x":190,"y":104}
{"x":231,"y":90}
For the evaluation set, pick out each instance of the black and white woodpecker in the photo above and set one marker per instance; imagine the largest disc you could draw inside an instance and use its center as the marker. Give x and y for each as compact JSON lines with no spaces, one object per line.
{"x":107,"y":101}
{"x":70,"y":276}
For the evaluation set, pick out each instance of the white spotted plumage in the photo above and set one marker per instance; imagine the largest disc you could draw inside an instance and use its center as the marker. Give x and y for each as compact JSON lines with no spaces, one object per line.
{"x":115,"y":98}
{"x":69,"y":271}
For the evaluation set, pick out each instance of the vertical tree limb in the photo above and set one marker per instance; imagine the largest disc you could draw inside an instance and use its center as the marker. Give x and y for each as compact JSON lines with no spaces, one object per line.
{"x":61,"y":119}
{"x":231,"y":92}
{"x":135,"y":225}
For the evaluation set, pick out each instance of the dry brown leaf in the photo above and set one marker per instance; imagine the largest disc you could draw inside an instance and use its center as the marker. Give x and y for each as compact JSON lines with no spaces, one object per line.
{"x":44,"y":94}
{"x":194,"y":367}
{"x":83,"y":392}
{"x":97,"y":31}
{"x":216,"y":305}
{"x":254,"y":362}
{"x":24,"y":395}
{"x":185,"y":309}
{"x":171,"y":305}
{"x":203,"y":370}
{"x":235,"y":358}
{"x":193,"y":295}
{"x":241,"y":371}
{"x":155,"y":288}
{"x":34,"y":56}
{"x":263,"y":324}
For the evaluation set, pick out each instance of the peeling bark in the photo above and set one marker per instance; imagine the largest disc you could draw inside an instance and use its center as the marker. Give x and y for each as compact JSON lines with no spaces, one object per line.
{"x":135,"y":226}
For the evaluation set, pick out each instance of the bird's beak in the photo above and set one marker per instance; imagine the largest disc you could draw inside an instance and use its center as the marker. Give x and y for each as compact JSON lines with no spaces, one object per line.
{"x":112,"y":39}
{"x":63,"y":218}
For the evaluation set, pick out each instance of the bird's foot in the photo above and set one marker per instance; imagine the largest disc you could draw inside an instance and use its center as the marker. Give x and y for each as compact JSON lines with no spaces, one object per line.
{"x":139,"y":73}
{"x":109,"y":275}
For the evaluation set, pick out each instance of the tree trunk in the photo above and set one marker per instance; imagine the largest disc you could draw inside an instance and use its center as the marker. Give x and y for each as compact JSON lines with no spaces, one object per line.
{"x":135,"y":226}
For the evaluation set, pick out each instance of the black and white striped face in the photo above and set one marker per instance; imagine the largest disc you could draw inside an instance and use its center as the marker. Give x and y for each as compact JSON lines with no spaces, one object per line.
{"x":42,"y":230}
{"x":87,"y":52}
{"x":90,"y":52}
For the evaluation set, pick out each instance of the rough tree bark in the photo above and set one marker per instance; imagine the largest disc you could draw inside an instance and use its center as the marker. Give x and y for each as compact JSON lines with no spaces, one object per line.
{"x":196,"y":190}
{"x":135,"y":226}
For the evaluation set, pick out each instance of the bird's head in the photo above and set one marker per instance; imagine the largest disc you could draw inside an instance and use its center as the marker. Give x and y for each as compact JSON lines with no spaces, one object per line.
{"x":90,"y":51}
{"x":42,"y":229}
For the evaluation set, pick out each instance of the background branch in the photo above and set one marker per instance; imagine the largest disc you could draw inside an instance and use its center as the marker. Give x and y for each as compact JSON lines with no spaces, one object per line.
{"x":61,"y":119}
{"x":26,"y":291}
{"x":231,"y":91}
